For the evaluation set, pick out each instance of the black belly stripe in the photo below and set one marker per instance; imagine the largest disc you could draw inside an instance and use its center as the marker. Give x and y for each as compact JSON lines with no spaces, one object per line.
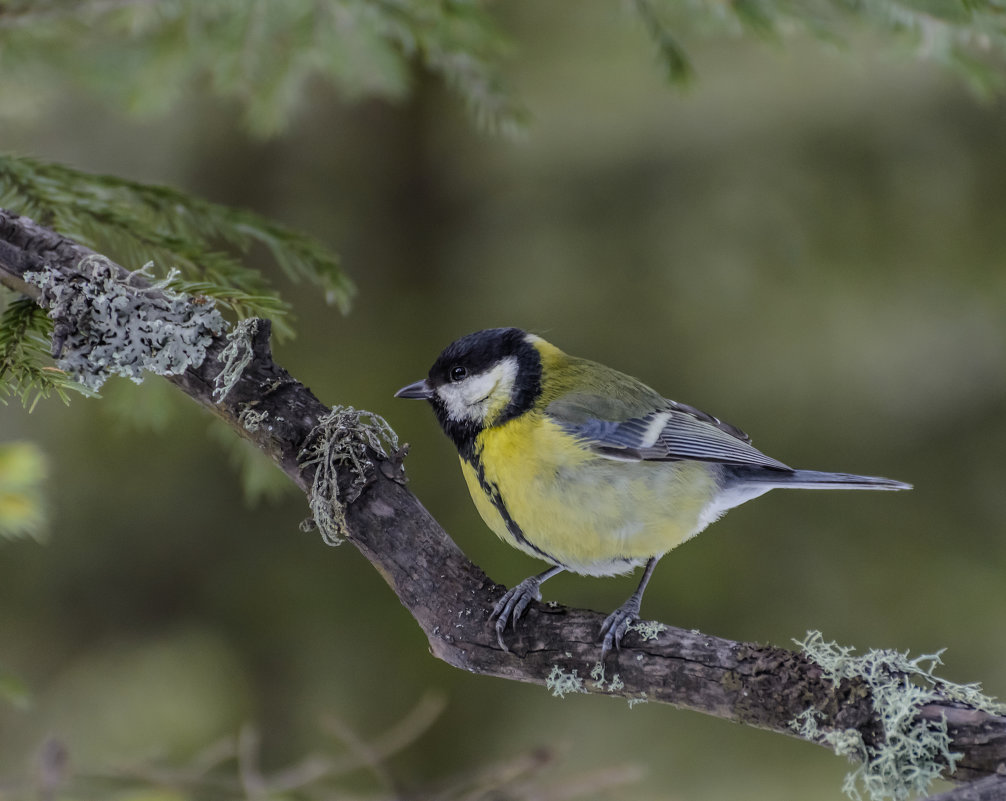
{"x":493,"y":494}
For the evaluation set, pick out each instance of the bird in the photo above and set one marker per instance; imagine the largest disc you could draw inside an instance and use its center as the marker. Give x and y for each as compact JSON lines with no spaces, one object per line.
{"x":589,"y":469}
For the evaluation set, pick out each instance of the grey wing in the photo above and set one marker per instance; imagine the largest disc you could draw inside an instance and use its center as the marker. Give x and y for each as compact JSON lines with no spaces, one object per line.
{"x":672,"y":432}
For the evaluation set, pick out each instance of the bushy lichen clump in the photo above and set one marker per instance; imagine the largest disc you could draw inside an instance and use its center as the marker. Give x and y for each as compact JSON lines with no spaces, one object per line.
{"x":648,"y":629}
{"x":235,"y":357}
{"x":105,"y":325}
{"x":601,"y":683}
{"x":341,"y":440}
{"x":561,"y":682}
{"x":911,"y":752}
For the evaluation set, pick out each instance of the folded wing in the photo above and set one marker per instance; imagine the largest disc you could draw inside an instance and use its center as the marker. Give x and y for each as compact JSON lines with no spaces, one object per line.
{"x":670,"y":432}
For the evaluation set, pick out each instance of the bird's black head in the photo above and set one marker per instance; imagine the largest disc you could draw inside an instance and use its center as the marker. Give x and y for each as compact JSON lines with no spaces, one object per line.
{"x":481,"y":380}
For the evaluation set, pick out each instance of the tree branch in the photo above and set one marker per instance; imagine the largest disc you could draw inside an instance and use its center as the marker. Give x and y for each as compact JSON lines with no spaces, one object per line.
{"x":991,"y":788}
{"x":450,"y":597}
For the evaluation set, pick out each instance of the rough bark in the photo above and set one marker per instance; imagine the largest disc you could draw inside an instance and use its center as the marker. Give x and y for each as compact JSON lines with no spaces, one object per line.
{"x":991,"y":788}
{"x":450,"y":598}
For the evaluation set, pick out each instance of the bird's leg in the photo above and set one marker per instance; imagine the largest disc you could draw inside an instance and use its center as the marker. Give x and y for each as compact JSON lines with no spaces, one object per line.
{"x":514,"y":601}
{"x":617,"y":623}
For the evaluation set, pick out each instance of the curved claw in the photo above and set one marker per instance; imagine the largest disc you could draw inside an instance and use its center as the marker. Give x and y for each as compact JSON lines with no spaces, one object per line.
{"x":513,"y":604}
{"x":616,"y":624}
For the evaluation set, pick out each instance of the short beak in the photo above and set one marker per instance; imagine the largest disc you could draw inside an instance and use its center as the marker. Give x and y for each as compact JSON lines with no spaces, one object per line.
{"x":419,"y":390}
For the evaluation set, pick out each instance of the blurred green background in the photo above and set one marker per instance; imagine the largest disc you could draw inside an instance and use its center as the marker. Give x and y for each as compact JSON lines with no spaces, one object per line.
{"x":806,"y":244}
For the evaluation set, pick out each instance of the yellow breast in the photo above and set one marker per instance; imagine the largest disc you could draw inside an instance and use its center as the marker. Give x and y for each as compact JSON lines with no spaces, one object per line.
{"x":541,"y":492}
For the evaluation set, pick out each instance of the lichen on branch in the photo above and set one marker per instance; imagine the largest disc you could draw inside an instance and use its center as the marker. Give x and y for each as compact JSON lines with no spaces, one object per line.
{"x":339,"y":443}
{"x":105,"y":325}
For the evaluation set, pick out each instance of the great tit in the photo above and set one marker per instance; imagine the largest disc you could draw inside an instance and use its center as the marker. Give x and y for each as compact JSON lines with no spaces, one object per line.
{"x":588,"y":468}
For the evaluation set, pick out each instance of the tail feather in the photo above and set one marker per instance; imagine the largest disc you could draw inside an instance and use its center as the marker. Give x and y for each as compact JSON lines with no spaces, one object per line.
{"x":812,"y":479}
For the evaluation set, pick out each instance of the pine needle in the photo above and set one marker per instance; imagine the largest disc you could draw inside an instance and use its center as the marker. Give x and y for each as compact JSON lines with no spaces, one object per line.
{"x":134,"y":223}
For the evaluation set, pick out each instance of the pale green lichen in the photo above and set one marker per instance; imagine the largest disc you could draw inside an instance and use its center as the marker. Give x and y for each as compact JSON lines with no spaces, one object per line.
{"x":844,"y":742}
{"x":106,"y":325}
{"x":562,"y":683}
{"x":911,"y":751}
{"x":341,"y":441}
{"x":251,"y":419}
{"x":235,"y":356}
{"x":601,"y":683}
{"x":597,"y":674}
{"x":648,"y":629}
{"x":805,"y":724}
{"x":640,"y":699}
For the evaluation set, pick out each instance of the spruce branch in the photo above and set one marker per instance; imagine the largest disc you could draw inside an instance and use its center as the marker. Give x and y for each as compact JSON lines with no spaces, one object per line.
{"x":968,"y":37}
{"x":136,"y":223}
{"x":672,"y":54}
{"x":265,"y":55}
{"x":26,"y":370}
{"x":826,"y":695}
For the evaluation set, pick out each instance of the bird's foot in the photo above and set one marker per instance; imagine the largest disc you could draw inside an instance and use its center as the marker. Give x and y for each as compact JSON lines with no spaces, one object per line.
{"x":616,"y":624}
{"x":513,"y":604}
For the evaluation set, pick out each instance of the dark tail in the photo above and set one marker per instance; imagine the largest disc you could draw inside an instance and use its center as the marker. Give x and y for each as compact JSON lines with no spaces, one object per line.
{"x":812,"y":479}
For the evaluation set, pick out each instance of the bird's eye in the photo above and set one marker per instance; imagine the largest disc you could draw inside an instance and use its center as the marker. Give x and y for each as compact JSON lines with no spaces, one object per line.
{"x":458,"y":373}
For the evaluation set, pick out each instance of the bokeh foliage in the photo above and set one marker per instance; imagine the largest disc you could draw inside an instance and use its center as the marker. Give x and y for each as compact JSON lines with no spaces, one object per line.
{"x":260,"y":55}
{"x":967,"y":36}
{"x":23,"y":469}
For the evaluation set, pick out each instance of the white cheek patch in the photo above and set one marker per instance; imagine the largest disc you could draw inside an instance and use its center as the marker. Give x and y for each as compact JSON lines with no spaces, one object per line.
{"x":477,"y":395}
